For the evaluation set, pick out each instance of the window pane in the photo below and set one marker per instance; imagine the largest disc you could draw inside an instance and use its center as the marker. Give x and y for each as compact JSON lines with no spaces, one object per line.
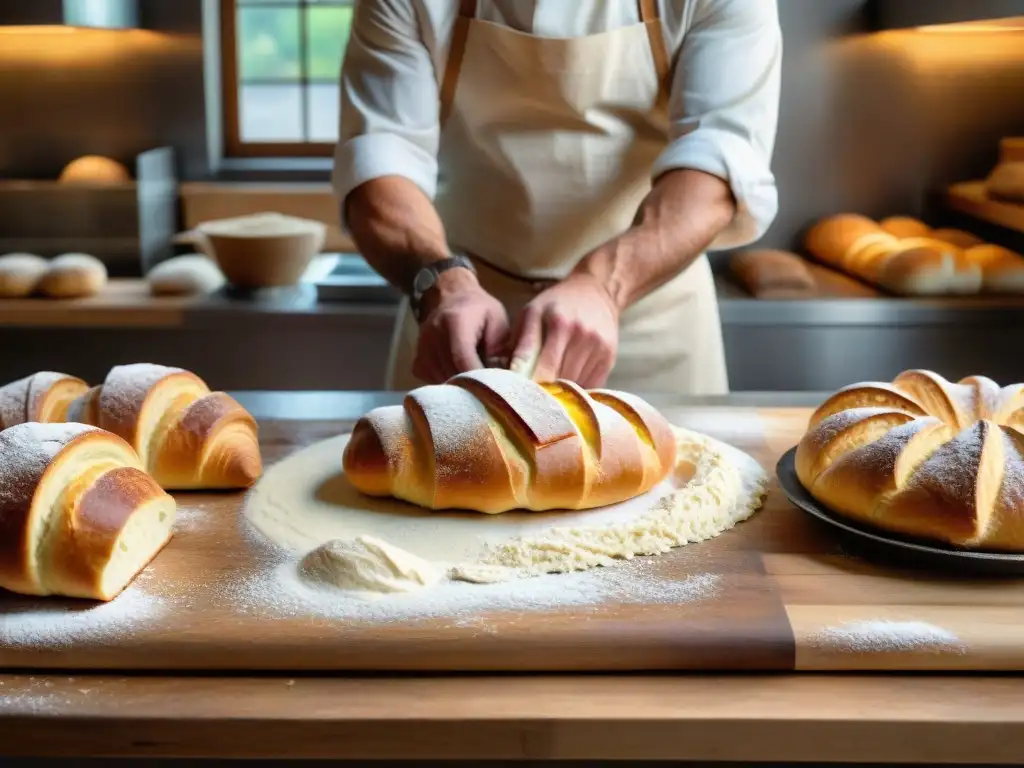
{"x":328,"y":29}
{"x":268,"y":43}
{"x":323,"y":112}
{"x":271,"y":113}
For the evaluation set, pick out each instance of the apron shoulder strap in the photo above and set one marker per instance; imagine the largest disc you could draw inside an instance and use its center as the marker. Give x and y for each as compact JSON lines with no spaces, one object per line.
{"x":456,"y":52}
{"x":651,"y":18}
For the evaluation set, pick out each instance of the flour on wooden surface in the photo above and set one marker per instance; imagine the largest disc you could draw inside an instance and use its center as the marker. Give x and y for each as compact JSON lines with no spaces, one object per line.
{"x":54,"y":623}
{"x":885,"y":636}
{"x":304,"y":501}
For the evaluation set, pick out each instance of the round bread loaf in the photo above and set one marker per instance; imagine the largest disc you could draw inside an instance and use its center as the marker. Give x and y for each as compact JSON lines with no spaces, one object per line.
{"x":20,"y":274}
{"x":94,"y":170}
{"x":905,"y":226}
{"x":922,"y":457}
{"x":185,"y":276}
{"x":74,"y":276}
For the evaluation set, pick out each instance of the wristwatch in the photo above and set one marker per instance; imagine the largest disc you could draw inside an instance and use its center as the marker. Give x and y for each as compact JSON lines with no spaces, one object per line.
{"x":426,"y":278}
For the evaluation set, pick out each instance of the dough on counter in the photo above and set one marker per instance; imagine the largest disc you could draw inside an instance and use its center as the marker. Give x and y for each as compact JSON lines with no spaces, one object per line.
{"x":368,"y":564}
{"x":74,"y":276}
{"x":20,"y":274}
{"x":187,"y":275}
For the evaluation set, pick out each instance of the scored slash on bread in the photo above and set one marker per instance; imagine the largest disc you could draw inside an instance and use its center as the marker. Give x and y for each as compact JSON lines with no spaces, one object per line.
{"x":187,"y":437}
{"x":492,"y":441}
{"x":79,"y":516}
{"x":924,"y":457}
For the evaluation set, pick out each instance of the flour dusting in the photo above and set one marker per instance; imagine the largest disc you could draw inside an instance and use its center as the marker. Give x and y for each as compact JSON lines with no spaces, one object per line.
{"x":883,"y":636}
{"x":56,"y":623}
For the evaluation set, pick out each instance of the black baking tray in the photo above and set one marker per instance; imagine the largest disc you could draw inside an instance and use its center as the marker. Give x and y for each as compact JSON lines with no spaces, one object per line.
{"x":897,"y":550}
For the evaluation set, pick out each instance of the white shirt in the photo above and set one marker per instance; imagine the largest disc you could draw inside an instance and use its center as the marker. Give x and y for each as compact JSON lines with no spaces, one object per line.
{"x":723,"y":105}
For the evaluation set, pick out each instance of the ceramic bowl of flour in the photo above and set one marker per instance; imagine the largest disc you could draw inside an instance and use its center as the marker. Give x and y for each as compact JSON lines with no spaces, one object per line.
{"x":265,"y":250}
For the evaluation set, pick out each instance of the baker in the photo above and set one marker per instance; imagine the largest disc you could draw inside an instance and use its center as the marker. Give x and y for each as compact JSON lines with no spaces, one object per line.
{"x":542,"y":179}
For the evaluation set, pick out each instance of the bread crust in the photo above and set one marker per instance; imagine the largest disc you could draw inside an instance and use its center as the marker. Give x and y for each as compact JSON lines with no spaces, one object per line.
{"x":923,"y":457}
{"x":42,"y":397}
{"x":492,"y":441}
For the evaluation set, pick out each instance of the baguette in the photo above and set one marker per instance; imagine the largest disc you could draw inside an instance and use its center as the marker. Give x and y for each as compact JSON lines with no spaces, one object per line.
{"x":188,"y":437}
{"x":41,"y":397}
{"x":79,"y":517}
{"x":491,"y":441}
{"x":772,"y":274}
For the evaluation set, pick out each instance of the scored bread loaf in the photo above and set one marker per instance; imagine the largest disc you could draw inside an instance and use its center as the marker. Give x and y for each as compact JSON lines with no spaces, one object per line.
{"x":79,"y":516}
{"x":41,"y":397}
{"x":908,"y":266}
{"x":924,"y":457}
{"x":188,"y":437}
{"x":492,"y":441}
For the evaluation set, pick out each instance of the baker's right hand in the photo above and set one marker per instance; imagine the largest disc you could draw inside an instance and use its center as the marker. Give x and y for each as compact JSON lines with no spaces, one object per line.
{"x":462,"y":326}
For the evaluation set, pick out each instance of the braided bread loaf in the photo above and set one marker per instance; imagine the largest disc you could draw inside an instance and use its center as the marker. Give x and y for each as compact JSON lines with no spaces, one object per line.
{"x":78,"y":514}
{"x":923,"y":457}
{"x":492,"y":441}
{"x":187,"y":436}
{"x":41,"y":397}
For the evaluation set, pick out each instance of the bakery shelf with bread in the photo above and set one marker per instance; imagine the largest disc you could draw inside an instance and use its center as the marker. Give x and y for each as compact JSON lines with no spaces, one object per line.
{"x":492,"y":441}
{"x":907,"y":257}
{"x":80,"y":516}
{"x":187,"y":436}
{"x":923,"y":457}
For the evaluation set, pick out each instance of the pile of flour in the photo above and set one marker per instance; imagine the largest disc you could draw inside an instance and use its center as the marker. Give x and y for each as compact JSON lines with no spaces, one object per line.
{"x":344,"y":539}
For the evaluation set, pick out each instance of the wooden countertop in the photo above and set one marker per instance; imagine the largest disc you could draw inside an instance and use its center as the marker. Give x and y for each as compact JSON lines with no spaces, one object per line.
{"x":895,"y":718}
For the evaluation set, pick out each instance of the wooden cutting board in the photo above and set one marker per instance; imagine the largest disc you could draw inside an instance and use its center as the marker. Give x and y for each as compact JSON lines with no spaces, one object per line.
{"x":781,"y":594}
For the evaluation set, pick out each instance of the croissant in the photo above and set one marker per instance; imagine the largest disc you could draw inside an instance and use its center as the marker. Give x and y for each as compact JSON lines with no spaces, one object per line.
{"x":79,"y":516}
{"x":41,"y":397}
{"x":187,"y":436}
{"x":492,"y":441}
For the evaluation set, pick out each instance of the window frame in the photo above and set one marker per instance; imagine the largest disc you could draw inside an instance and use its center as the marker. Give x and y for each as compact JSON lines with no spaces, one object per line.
{"x":234,"y":146}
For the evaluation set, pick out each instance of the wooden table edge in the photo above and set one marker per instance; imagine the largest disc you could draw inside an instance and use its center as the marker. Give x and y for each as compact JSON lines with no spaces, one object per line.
{"x":769,"y":718}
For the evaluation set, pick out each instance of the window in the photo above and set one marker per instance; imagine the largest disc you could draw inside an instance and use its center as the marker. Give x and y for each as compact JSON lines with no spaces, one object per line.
{"x":281,"y":63}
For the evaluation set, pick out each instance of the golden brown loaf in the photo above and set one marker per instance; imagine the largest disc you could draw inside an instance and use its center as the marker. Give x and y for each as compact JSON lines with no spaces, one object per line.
{"x":772,"y":274}
{"x":73,"y":276}
{"x":922,"y":457}
{"x":78,"y":515}
{"x":43,"y":397}
{"x":937,"y":262}
{"x":20,"y":274}
{"x":492,"y":441}
{"x":187,"y":436}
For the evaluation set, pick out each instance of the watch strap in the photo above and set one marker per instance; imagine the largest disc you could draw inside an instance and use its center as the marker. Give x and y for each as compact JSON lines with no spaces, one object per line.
{"x":436,"y":270}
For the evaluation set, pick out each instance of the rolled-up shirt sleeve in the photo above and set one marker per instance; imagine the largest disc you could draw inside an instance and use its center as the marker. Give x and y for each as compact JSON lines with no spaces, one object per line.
{"x":389,"y":101}
{"x":724,"y":105}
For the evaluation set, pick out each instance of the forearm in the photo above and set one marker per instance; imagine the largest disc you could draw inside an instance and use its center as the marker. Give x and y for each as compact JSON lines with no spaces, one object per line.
{"x":396,"y":228}
{"x":679,"y":218}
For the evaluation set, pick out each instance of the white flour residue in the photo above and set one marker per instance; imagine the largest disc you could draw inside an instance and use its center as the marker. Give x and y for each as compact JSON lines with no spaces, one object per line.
{"x":281,"y":593}
{"x":189,"y":519}
{"x":53,"y":623}
{"x":367,"y":563}
{"x":304,"y":501}
{"x":884,"y":636}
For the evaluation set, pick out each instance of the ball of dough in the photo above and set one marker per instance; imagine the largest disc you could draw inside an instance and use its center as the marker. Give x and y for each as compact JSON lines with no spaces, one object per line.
{"x":20,"y":274}
{"x":74,"y":276}
{"x":185,"y":276}
{"x":94,"y":169}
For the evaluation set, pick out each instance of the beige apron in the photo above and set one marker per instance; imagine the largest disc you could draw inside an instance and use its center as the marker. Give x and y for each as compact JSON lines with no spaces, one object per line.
{"x":547,"y":148}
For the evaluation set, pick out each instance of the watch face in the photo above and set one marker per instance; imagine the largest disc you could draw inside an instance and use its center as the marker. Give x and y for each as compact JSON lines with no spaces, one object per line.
{"x":424,"y":279}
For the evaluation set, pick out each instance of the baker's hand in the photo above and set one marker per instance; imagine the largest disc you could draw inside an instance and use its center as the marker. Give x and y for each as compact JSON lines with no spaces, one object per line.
{"x":575,"y":324}
{"x":462,"y":325}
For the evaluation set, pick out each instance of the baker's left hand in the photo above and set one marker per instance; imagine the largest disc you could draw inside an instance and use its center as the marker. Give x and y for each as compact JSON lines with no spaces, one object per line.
{"x":575,"y":324}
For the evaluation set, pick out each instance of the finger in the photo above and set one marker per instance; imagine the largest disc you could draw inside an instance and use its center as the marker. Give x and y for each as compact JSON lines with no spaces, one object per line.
{"x":597,"y":371}
{"x":526,"y":340}
{"x":552,"y":353}
{"x":495,"y":334}
{"x":465,"y":335}
{"x":425,"y":366}
{"x":579,"y":352}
